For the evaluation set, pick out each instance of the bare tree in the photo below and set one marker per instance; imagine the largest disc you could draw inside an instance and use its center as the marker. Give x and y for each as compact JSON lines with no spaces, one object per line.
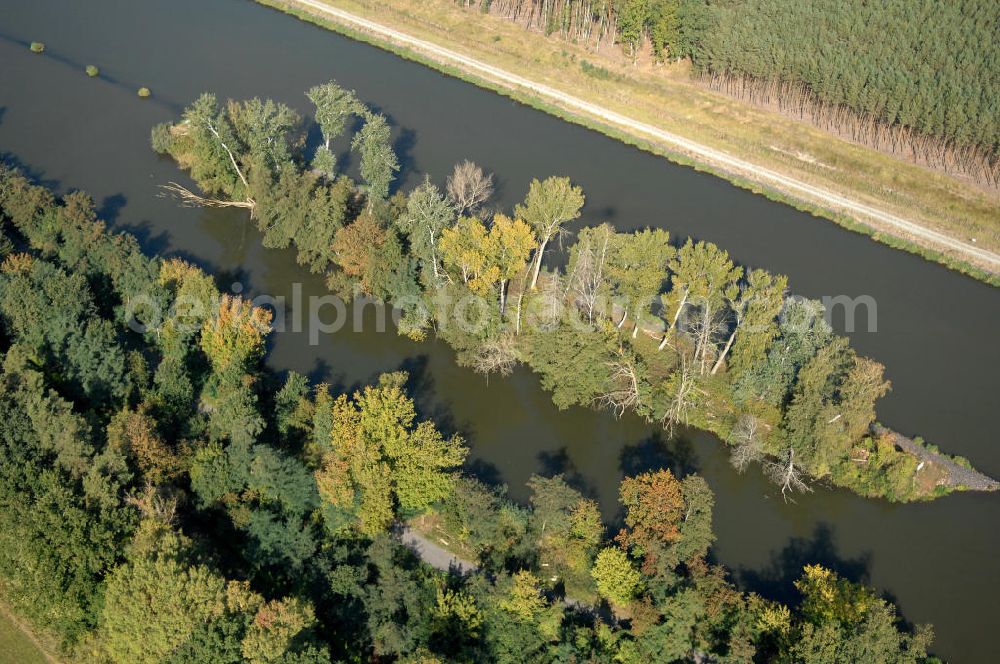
{"x":157,"y":503}
{"x":188,"y":198}
{"x":469,"y":187}
{"x":588,"y":279}
{"x":746,"y":441}
{"x":623,"y":393}
{"x":787,"y":474}
{"x":683,"y":388}
{"x":705,"y":331}
{"x":738,"y":306}
{"x":497,"y":355}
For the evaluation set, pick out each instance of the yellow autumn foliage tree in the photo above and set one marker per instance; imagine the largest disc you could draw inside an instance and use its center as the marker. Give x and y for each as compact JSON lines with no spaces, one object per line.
{"x":235,"y":335}
{"x":380,"y":460}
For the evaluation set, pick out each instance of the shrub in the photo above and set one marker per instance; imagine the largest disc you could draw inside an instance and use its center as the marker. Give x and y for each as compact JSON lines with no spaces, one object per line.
{"x":37,"y":47}
{"x":161,"y":138}
{"x":598,"y":72}
{"x":92,"y":71}
{"x":144,"y":92}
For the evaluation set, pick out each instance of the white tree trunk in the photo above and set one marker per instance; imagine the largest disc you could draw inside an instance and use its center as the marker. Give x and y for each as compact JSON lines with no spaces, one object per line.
{"x":704,"y":337}
{"x":538,"y":261}
{"x":725,"y":350}
{"x":231,"y":157}
{"x":673,"y":323}
{"x":434,"y":259}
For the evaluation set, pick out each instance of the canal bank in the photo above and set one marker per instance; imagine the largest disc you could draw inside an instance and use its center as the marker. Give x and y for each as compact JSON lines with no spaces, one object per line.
{"x":843,"y":205}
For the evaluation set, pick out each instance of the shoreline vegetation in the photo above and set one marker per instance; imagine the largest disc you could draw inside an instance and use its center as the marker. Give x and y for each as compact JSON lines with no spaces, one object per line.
{"x":164,"y":497}
{"x":663,"y":96}
{"x":723,"y":349}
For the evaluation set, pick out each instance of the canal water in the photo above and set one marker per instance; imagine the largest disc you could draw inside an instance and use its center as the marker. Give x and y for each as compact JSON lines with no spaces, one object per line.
{"x":936,"y":330}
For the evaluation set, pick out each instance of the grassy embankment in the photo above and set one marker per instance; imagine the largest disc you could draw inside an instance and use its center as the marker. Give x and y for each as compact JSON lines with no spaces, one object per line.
{"x":17,"y":646}
{"x":665,"y":97}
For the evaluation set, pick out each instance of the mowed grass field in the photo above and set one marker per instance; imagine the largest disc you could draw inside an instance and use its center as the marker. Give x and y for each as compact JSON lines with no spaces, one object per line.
{"x":16,"y":647}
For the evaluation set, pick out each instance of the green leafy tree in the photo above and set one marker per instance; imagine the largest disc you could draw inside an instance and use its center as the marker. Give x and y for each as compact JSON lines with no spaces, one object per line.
{"x":334,"y":107}
{"x":208,"y":141}
{"x":631,"y":17}
{"x":833,"y":405}
{"x":708,"y":280}
{"x":303,"y":209}
{"x":638,"y":268}
{"x":573,"y":365}
{"x":427,"y":214}
{"x":802,"y":331}
{"x":382,"y":460}
{"x":268,"y":495}
{"x":755,"y":327}
{"x":548,"y":205}
{"x":616,"y":577}
{"x":488,"y":523}
{"x":527,"y":604}
{"x":378,"y":161}
{"x":568,"y":531}
{"x":293,"y":410}
{"x":158,"y":600}
{"x":696,"y":535}
{"x":664,"y":28}
{"x":263,"y":129}
{"x":844,"y":621}
{"x":281,"y":631}
{"x":456,"y":623}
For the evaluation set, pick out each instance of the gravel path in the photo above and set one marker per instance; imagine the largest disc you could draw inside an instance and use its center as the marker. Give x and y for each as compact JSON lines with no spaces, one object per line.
{"x":958,"y":475}
{"x":433,"y":554}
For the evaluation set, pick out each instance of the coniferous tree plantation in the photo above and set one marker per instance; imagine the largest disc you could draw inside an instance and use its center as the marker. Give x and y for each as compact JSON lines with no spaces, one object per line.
{"x":165,"y":498}
{"x":915,"y":78}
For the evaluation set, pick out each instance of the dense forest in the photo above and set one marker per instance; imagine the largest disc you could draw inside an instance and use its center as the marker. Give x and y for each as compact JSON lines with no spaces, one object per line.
{"x":164,"y":498}
{"x":673,"y":331}
{"x":915,"y":79}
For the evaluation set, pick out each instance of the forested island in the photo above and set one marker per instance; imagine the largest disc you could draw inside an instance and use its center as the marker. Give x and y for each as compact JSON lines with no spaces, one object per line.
{"x":915,"y":79}
{"x":165,"y":498}
{"x":673,"y":331}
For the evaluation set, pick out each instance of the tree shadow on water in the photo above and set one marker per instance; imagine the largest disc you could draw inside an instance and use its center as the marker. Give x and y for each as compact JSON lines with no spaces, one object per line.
{"x":321,"y":372}
{"x":428,"y":401}
{"x":154,"y":244}
{"x":403,"y":147}
{"x":429,"y":405}
{"x":657,"y":452}
{"x":35,"y":176}
{"x":313,"y":138}
{"x":485,"y":472}
{"x":557,"y":462}
{"x":111,"y":207}
{"x":776,"y":580}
